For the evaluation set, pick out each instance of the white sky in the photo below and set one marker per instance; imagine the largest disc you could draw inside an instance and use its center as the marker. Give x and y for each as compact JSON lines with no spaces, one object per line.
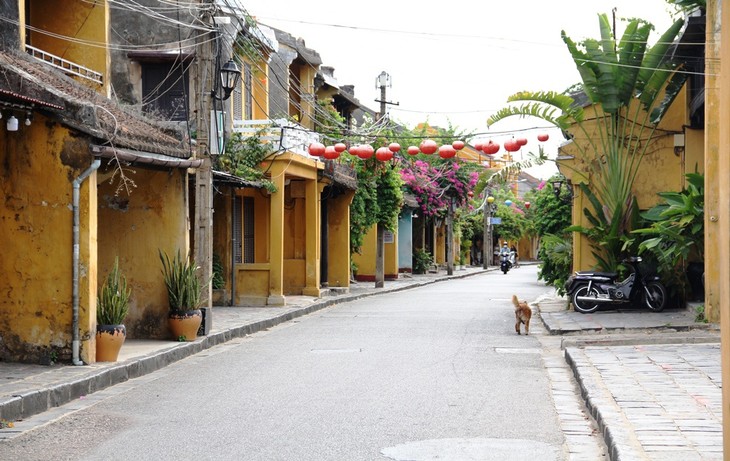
{"x":455,"y":61}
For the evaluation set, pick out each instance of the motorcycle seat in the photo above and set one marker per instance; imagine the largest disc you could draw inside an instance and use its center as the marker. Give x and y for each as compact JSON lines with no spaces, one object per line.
{"x":611,"y":275}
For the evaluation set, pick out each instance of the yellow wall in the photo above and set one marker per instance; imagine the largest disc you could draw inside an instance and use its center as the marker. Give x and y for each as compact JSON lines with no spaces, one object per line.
{"x":365,"y":260}
{"x":38,"y":164}
{"x":338,"y":263}
{"x":86,"y":22}
{"x":134,"y":227}
{"x":661,"y":169}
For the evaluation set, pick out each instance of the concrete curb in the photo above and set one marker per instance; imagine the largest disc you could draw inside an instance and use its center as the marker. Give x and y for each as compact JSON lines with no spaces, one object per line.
{"x":27,"y":403}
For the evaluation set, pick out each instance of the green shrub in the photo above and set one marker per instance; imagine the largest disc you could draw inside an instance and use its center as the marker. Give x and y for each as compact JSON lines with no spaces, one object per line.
{"x":422,"y":260}
{"x":112,"y":300}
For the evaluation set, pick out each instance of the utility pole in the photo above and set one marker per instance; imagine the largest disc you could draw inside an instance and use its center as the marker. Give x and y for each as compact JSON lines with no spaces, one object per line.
{"x":203,"y":222}
{"x":381,"y":82}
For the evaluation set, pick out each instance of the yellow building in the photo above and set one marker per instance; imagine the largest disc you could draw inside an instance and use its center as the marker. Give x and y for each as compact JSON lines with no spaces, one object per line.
{"x":85,"y":181}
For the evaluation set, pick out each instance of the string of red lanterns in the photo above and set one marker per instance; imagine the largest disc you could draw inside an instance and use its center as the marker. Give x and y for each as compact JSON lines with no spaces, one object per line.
{"x":427,"y":147}
{"x":383,"y":154}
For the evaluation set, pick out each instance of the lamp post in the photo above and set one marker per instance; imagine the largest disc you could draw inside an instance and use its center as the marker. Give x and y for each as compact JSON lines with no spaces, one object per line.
{"x":489,"y":209}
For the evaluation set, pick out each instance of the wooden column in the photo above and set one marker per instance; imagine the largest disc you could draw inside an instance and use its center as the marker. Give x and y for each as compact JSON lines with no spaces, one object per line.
{"x":312,"y":244}
{"x":276,"y":263}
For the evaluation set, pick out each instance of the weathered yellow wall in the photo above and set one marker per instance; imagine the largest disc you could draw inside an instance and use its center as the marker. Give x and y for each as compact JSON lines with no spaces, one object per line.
{"x":365,"y":260}
{"x":84,"y":21}
{"x":390,"y":258}
{"x":38,"y":164}
{"x":661,"y":170}
{"x":440,"y":244}
{"x":338,"y":262}
{"x":135,"y":227}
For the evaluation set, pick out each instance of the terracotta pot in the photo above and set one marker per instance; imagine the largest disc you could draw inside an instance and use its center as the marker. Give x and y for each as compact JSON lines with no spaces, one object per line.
{"x":184,"y":325}
{"x":109,"y":339}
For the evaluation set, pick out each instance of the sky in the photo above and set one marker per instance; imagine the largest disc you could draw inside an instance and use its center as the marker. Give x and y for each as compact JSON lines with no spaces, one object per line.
{"x":454,"y":62}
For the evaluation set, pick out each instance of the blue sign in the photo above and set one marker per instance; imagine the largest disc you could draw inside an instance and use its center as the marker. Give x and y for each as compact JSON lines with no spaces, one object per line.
{"x":495,"y":220}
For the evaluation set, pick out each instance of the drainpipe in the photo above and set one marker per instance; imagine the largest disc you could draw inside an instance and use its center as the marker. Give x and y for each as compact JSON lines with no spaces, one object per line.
{"x":76,"y":345}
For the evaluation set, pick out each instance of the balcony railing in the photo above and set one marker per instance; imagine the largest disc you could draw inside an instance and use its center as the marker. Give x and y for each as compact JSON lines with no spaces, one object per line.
{"x":282,"y":134}
{"x":68,"y":67}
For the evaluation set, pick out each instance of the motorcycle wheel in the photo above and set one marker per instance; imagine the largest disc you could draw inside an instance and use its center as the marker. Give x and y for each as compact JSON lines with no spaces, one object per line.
{"x":655,"y":296}
{"x":505,"y":269}
{"x":582,"y":306}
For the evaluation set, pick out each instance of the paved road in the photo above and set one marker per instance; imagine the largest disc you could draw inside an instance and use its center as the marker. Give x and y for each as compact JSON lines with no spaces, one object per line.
{"x":431,"y":373}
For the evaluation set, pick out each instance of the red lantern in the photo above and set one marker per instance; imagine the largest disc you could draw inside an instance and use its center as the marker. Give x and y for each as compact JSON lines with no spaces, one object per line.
{"x":521,"y":141}
{"x":478,"y":146}
{"x":511,"y":145}
{"x":458,"y":145}
{"x":316,"y":149}
{"x":330,"y":153}
{"x":394,"y":147}
{"x":383,"y":154}
{"x":490,"y":148}
{"x":413,"y":150}
{"x":527,"y":205}
{"x":340,"y":147}
{"x":542,"y":137}
{"x":366,"y":151}
{"x":447,"y":151}
{"x":429,"y":146}
{"x":354,"y":150}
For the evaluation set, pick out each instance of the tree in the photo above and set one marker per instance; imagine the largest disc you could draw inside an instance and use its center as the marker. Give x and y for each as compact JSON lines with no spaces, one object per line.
{"x":629,"y":86}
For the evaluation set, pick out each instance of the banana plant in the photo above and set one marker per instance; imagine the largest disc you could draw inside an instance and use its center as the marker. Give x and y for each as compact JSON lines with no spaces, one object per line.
{"x":629,"y":87}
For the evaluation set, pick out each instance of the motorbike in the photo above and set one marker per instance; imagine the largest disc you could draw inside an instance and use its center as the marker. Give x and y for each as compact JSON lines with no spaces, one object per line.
{"x":506,"y":261}
{"x":590,"y":290}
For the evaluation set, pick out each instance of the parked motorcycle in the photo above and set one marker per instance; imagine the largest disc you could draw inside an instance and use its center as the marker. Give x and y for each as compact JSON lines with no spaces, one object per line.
{"x":589,"y":290}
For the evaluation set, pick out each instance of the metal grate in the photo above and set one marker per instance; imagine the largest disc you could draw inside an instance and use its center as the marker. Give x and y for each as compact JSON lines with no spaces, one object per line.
{"x":248,"y":90}
{"x":237,"y":230}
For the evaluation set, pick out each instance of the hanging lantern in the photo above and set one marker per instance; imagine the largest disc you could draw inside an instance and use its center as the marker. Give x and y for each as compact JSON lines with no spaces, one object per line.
{"x":330,"y":153}
{"x":413,"y":150}
{"x":542,"y":137}
{"x":366,"y":151}
{"x":394,"y":147}
{"x":447,"y":151}
{"x":458,"y":145}
{"x":383,"y":154}
{"x":340,"y":147}
{"x":354,"y":150}
{"x":490,"y":148}
{"x":316,"y":149}
{"x":511,"y":145}
{"x":521,"y":141}
{"x":527,"y":205}
{"x":508,"y":202}
{"x":429,"y":146}
{"x":478,"y":145}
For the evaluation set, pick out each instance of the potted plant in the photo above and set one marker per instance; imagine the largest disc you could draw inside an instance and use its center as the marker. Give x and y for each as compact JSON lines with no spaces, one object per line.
{"x":184,"y":292}
{"x":112,"y":304}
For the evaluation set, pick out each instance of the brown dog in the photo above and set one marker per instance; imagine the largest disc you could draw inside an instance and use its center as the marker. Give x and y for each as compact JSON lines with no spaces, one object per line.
{"x":523,"y":314}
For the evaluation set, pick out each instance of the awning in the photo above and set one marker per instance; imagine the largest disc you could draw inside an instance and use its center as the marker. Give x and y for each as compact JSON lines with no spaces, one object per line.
{"x":144,"y":158}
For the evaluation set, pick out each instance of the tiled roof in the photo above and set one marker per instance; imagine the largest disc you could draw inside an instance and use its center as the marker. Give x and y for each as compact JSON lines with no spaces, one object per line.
{"x":83,"y":109}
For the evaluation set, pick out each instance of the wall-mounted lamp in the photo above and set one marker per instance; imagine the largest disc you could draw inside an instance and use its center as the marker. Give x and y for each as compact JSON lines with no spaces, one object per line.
{"x":230,"y":74}
{"x":678,"y":144}
{"x":12,"y":124}
{"x":558,"y":188}
{"x":28,"y":118}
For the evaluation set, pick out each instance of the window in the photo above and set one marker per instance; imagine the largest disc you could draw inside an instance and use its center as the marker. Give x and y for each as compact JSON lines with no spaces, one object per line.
{"x":164,"y":90}
{"x":248,"y":89}
{"x":248,"y":232}
{"x":237,"y":98}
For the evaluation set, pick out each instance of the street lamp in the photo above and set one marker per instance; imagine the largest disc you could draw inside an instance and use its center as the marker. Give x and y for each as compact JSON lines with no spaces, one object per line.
{"x":230,"y":75}
{"x":489,"y":208}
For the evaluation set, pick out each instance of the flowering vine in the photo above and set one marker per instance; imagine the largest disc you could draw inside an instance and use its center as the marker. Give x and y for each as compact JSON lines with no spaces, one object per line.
{"x":435,"y":184}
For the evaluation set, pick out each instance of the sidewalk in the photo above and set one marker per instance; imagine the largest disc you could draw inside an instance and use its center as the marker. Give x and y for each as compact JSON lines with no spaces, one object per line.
{"x":651,"y":380}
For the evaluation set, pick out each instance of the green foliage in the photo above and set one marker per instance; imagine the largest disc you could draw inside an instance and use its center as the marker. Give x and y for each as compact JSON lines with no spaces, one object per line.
{"x":112,"y":300}
{"x":700,"y":314}
{"x":549,"y":214}
{"x":422,"y":260}
{"x":218,"y":280}
{"x":184,"y":288}
{"x":556,"y":254}
{"x":243,"y":157}
{"x":630,"y":85}
{"x":678,"y":225}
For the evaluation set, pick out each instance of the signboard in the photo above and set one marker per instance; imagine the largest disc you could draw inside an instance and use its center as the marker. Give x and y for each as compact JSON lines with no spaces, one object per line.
{"x":388,"y":237}
{"x":495,"y":220}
